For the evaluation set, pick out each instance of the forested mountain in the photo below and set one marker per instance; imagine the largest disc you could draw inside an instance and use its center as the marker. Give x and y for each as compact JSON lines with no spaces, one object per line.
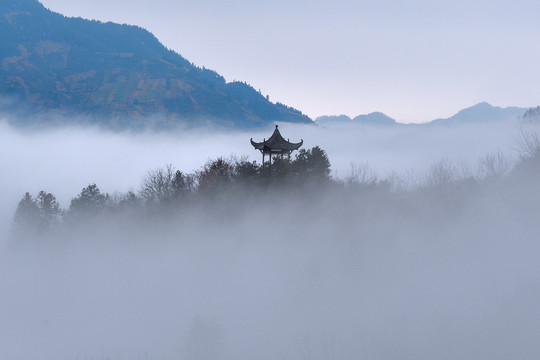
{"x":116,"y":74}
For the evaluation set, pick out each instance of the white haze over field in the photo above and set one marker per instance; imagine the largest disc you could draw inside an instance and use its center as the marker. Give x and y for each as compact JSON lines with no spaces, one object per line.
{"x":295,"y":284}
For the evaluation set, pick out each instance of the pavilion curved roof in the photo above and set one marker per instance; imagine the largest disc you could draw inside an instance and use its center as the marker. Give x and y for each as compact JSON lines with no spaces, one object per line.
{"x":276,"y":143}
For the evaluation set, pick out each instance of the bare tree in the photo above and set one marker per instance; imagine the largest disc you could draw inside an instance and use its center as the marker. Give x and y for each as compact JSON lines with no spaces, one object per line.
{"x":494,"y":165}
{"x":528,"y":145}
{"x":360,"y":175}
{"x":440,"y":174}
{"x":157,"y":186}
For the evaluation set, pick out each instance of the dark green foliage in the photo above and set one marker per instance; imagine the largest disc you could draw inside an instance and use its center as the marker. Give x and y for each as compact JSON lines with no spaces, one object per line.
{"x":179,"y":185}
{"x":279,"y":173}
{"x":49,"y":210}
{"x":128,"y":200}
{"x":89,"y":202}
{"x":36,"y":217}
{"x":312,"y":164}
{"x":309,"y":166}
{"x":246,"y":171}
{"x":215,"y":175}
{"x":27,"y":219}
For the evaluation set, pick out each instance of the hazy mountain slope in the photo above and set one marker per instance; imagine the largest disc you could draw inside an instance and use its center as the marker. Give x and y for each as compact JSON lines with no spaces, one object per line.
{"x":375,"y":118}
{"x":532,"y":115}
{"x":482,"y":112}
{"x":479,"y":113}
{"x":54,"y":64}
{"x":325,"y":119}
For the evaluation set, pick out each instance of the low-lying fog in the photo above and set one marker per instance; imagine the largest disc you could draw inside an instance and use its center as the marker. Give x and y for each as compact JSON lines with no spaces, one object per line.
{"x":64,"y":161}
{"x":331,"y":278}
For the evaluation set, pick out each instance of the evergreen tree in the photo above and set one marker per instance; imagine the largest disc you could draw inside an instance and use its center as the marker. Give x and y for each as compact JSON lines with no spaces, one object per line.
{"x":312,"y":164}
{"x":27,"y":220}
{"x":215,"y":175}
{"x":245,"y":170}
{"x":89,"y":201}
{"x":49,"y":210}
{"x":36,"y":217}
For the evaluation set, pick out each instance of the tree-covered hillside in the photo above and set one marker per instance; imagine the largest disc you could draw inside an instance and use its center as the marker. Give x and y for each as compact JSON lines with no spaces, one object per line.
{"x":121,"y":74}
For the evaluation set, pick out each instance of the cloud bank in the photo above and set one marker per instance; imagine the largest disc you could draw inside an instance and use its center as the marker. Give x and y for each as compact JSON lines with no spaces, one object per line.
{"x":411,"y":275}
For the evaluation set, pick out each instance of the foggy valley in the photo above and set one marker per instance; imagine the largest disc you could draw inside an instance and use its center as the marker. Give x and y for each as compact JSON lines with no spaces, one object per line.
{"x":138,"y":223}
{"x":422,"y":244}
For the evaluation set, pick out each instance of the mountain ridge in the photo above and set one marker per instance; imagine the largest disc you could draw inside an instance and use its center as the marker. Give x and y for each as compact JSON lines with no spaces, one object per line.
{"x":375,"y":118}
{"x":478,"y":113}
{"x":119,"y":75}
{"x":482,"y":112}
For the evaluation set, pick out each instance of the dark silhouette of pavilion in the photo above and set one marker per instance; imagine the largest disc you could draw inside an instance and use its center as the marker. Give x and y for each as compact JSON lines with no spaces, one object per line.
{"x":276,"y":145}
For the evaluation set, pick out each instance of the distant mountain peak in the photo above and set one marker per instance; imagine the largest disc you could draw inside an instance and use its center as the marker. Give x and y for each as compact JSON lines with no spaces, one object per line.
{"x":372,"y":119}
{"x":375,"y":118}
{"x":21,"y":5}
{"x":484,"y":104}
{"x":479,"y":113}
{"x":332,"y":119}
{"x":482,"y":112}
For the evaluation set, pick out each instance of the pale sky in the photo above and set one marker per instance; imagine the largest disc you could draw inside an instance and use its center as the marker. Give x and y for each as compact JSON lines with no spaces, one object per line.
{"x":413,"y":60}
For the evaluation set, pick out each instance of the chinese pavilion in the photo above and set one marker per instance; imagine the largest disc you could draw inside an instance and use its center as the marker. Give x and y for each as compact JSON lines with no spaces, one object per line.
{"x":276,"y":145}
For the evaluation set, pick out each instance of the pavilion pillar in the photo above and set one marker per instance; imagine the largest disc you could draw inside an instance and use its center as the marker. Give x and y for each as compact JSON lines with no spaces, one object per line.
{"x":276,"y":146}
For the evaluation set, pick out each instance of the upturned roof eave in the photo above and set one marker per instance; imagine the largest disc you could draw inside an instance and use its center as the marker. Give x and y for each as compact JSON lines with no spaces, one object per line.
{"x":276,"y":143}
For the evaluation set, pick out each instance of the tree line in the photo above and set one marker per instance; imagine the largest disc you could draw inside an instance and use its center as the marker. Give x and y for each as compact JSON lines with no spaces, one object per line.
{"x":168,"y":189}
{"x":225,"y":187}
